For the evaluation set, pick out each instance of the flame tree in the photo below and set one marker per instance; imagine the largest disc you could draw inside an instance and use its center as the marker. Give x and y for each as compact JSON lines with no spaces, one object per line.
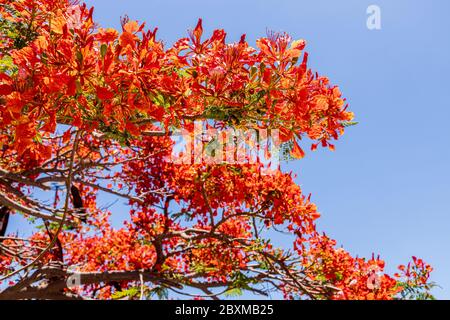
{"x":92,"y":110}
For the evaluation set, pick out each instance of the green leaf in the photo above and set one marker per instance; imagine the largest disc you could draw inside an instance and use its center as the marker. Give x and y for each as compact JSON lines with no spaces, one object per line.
{"x":234,"y":292}
{"x":131,"y":292}
{"x":103,"y":49}
{"x":160,"y":292}
{"x":349,"y":123}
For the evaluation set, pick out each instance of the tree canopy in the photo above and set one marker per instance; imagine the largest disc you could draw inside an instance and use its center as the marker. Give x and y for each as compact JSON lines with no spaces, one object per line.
{"x":88,"y":113}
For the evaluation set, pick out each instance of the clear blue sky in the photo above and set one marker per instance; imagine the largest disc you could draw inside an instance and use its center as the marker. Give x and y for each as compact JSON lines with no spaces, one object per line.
{"x":386,"y":187}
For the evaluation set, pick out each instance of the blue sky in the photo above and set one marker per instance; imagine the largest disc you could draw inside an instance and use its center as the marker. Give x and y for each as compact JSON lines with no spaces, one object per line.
{"x":386,"y":187}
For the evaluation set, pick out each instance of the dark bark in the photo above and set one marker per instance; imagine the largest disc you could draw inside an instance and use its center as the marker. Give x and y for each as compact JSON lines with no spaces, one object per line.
{"x":4,"y":218}
{"x":77,"y":202}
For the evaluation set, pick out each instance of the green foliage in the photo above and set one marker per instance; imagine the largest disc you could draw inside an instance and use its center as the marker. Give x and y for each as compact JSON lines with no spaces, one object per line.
{"x":415,"y":291}
{"x":160,"y":292}
{"x":349,"y":123}
{"x":234,"y":292}
{"x":7,"y":65}
{"x":20,"y":33}
{"x":285,"y":151}
{"x":130,"y":293}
